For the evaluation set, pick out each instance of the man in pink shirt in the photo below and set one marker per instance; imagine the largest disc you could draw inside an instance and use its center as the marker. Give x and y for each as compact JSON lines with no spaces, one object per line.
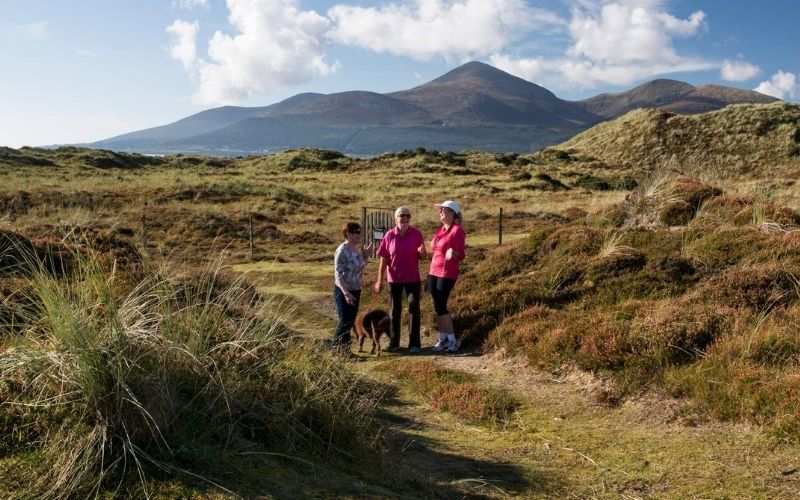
{"x":400,"y":252}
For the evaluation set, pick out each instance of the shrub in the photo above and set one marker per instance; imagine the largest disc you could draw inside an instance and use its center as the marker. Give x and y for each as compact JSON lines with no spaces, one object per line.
{"x":595,"y":183}
{"x":572,"y":241}
{"x":551,"y":183}
{"x":692,"y":191}
{"x":679,"y":332}
{"x":676,"y":213}
{"x":719,"y":248}
{"x":456,"y":392}
{"x":165,"y":374}
{"x":473,"y":402}
{"x":758,"y":287}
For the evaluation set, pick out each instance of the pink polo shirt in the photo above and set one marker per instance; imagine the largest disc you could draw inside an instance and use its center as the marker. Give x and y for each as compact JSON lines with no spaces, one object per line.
{"x":452,"y":237}
{"x":400,"y":252}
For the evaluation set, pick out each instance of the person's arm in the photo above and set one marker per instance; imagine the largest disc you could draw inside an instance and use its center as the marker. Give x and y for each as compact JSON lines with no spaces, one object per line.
{"x":379,"y":280}
{"x":367,"y":251}
{"x":456,"y":250}
{"x":421,"y":248}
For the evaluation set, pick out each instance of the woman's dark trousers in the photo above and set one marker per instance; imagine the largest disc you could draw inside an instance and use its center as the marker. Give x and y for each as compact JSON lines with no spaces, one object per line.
{"x":347,"y":316}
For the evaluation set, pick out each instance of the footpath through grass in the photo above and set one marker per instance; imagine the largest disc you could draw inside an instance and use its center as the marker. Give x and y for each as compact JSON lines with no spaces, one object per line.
{"x":486,"y":426}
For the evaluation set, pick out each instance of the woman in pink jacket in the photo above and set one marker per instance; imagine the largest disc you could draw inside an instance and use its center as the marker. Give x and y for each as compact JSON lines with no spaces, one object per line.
{"x":447,"y":248}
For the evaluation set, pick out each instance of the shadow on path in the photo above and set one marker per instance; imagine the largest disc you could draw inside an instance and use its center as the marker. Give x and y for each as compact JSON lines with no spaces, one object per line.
{"x":431,"y":468}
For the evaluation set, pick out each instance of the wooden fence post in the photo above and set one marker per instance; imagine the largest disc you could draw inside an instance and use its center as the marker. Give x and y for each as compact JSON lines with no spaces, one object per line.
{"x":500,"y":229}
{"x":144,"y":226}
{"x":250,"y":234}
{"x":364,"y":226}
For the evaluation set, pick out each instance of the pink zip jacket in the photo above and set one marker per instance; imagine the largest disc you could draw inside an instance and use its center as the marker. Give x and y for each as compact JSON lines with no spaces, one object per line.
{"x":452,"y":237}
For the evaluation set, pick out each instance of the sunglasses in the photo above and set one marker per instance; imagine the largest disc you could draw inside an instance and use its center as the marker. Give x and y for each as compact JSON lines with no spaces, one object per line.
{"x":356,"y":232}
{"x":405,"y":216}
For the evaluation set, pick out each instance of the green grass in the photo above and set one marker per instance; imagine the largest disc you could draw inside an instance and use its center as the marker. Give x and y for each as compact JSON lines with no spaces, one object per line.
{"x":117,"y":376}
{"x":585,"y":277}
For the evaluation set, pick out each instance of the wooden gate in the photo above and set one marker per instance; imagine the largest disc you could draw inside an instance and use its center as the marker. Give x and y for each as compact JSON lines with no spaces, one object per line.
{"x":375,"y":221}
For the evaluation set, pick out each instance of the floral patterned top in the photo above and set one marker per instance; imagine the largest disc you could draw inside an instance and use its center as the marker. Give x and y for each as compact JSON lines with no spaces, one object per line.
{"x":348,"y":267}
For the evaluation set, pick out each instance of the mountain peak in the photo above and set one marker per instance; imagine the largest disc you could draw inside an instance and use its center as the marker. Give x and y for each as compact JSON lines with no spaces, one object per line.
{"x":476,"y":71}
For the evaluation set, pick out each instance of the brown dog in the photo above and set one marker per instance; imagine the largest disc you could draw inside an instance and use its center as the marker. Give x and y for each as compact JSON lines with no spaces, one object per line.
{"x":371,"y":325}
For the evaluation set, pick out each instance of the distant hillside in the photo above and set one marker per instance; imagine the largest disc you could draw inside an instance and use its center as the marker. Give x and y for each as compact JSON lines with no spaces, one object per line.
{"x":200,"y":123}
{"x":742,"y":138}
{"x":474,"y":106}
{"x":673,"y":96}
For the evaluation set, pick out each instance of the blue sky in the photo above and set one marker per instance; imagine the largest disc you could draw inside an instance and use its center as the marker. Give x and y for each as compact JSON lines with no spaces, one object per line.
{"x":85,"y":70}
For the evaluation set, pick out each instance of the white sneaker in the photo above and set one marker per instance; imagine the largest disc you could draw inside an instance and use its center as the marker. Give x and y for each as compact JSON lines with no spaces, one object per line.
{"x":441,"y":345}
{"x":452,"y":346}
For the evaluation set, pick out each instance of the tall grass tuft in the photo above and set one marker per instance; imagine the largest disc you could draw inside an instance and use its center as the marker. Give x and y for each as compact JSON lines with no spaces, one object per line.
{"x":115,"y":378}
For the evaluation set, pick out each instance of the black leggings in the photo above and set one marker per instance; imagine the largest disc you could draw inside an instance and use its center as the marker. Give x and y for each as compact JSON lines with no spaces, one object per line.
{"x":440,"y":289}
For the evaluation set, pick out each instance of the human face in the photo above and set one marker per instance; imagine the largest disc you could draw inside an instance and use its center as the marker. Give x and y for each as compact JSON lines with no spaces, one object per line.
{"x":446,"y":216}
{"x":354,"y":236}
{"x":403,"y":220}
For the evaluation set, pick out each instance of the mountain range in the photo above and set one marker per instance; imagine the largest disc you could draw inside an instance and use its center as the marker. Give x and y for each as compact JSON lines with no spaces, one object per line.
{"x":474,"y":106}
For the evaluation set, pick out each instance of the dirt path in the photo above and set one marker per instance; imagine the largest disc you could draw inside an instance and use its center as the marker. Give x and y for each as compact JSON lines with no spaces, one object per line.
{"x":564,"y":441}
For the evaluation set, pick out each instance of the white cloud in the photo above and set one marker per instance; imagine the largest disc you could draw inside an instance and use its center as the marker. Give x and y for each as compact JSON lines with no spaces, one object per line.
{"x":190,"y":4}
{"x":427,"y":29}
{"x":86,"y":53}
{"x":615,"y":43}
{"x":36,"y":31}
{"x":738,"y":71}
{"x":782,"y":85}
{"x":184,"y":46}
{"x":622,"y":33}
{"x":528,"y":69}
{"x":586,"y":74}
{"x":275,"y":44}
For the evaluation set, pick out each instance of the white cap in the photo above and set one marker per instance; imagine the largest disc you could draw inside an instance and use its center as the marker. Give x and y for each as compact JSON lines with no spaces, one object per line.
{"x":449,"y":204}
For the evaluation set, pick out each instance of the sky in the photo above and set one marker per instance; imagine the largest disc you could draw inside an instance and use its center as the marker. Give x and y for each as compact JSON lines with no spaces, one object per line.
{"x":84,"y":70}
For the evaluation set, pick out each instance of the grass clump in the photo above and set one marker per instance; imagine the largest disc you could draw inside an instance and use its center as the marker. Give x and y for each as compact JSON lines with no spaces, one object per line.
{"x":116,"y":378}
{"x":456,"y":392}
{"x":707,"y":311}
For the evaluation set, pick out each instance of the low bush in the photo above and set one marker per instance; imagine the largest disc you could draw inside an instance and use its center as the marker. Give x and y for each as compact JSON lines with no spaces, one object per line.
{"x":111,"y":380}
{"x":758,"y":287}
{"x":456,"y":392}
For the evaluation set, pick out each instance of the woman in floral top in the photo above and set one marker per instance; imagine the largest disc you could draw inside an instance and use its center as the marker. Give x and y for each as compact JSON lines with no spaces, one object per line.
{"x":349,"y":262}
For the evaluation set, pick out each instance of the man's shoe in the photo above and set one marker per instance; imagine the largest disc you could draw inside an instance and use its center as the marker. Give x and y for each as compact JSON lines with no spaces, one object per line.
{"x":392,"y":348}
{"x":440,"y":346}
{"x":414,"y":350}
{"x":452,"y":346}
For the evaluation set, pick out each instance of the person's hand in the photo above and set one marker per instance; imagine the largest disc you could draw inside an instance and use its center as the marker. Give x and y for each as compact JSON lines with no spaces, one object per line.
{"x":448,"y":255}
{"x":349,"y":298}
{"x":371,"y":247}
{"x":377,"y":287}
{"x":421,"y":250}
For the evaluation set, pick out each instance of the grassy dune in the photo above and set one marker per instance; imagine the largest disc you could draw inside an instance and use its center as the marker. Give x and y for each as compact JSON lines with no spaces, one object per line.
{"x":145,"y":349}
{"x":682,"y":287}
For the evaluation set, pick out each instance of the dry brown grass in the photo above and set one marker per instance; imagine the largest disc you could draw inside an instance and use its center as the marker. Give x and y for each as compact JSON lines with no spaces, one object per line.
{"x":456,"y":392}
{"x":739,"y":140}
